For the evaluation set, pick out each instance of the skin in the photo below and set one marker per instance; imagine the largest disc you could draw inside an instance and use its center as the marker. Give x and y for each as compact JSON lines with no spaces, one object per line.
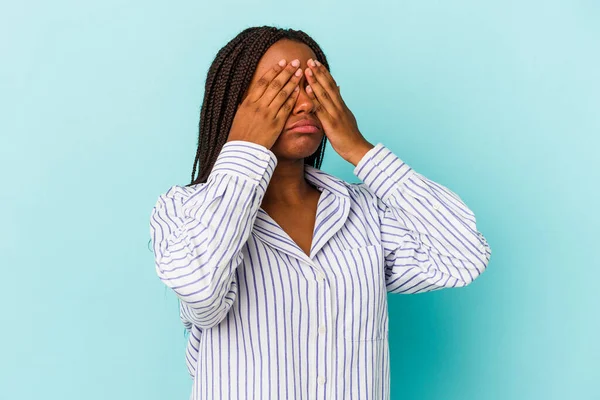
{"x":290,"y":200}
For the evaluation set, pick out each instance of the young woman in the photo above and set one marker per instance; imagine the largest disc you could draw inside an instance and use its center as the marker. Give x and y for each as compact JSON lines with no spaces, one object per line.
{"x":282,"y":270}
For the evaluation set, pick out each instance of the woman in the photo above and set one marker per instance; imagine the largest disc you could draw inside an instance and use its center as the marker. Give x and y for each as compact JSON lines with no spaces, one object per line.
{"x":282,"y":270}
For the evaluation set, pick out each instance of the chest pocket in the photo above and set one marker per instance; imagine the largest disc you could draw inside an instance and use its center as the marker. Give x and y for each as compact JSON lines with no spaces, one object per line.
{"x":363,"y":296}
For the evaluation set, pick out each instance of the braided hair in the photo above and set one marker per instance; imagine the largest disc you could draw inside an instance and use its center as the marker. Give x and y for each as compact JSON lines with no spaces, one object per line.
{"x":228,"y":79}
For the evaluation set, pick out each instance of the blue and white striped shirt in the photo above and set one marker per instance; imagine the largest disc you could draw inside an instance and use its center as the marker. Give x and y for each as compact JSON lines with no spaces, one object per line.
{"x":267,"y":321}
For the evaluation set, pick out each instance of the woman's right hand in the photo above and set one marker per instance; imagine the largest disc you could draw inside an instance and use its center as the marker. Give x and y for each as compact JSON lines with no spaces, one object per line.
{"x":260,"y":118}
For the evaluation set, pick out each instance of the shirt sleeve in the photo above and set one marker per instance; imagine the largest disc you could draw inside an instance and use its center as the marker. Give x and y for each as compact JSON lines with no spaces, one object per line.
{"x":429,"y":235}
{"x":198,"y":232}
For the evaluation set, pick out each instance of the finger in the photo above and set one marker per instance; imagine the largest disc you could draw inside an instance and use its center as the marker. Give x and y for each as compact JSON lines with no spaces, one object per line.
{"x":278,"y":83}
{"x":341,"y":98}
{"x":324,"y":78}
{"x":286,"y":90}
{"x":255,"y":92}
{"x":288,"y":105}
{"x":323,"y":95}
{"x":320,"y":111}
{"x":320,"y":70}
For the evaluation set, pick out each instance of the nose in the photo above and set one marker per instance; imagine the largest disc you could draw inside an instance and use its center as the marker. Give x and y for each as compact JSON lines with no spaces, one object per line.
{"x":303,"y":102}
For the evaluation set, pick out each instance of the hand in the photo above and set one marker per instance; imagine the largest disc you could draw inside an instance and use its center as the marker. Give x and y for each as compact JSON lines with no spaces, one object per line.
{"x":260,"y":118}
{"x":339,"y":124}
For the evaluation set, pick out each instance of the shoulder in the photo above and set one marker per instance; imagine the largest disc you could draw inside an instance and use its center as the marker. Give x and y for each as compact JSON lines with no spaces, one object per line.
{"x":177,"y":196}
{"x":358,"y":189}
{"x":362,"y":195}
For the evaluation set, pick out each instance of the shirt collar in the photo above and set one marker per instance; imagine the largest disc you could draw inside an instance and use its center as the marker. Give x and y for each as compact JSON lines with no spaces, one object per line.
{"x":323,"y":180}
{"x":332,"y":213}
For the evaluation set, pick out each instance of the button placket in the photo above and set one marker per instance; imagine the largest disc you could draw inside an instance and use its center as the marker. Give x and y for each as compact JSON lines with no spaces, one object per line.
{"x":323,"y":335}
{"x":320,"y":277}
{"x":322,"y":329}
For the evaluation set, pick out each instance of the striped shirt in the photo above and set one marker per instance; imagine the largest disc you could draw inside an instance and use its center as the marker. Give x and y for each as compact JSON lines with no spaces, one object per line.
{"x":268,"y":321}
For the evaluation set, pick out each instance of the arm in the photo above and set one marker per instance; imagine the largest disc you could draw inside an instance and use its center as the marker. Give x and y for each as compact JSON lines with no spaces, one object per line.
{"x":429,"y":235}
{"x":198,"y":232}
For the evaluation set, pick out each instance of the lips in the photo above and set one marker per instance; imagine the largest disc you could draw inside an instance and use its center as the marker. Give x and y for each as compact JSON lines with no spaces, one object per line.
{"x":305,"y":129}
{"x":305,"y":125}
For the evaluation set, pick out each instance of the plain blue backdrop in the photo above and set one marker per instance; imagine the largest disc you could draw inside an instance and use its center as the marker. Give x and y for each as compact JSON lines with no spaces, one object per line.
{"x":497,"y":100}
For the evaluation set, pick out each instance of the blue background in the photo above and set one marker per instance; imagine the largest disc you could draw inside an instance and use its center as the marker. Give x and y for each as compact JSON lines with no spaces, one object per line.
{"x":497,"y":100}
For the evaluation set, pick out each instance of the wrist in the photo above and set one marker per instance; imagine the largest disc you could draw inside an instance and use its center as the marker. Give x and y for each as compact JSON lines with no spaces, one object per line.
{"x":359,"y":152}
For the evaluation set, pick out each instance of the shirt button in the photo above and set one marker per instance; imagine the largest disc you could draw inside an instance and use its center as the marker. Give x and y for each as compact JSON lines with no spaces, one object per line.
{"x":321,"y":380}
{"x":320,"y":277}
{"x":322,"y":329}
{"x":436,"y":206}
{"x":379,"y":157}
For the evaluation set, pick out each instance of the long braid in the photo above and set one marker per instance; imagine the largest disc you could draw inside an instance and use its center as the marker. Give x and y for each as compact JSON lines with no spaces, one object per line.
{"x":206,"y":113}
{"x":227,"y":81}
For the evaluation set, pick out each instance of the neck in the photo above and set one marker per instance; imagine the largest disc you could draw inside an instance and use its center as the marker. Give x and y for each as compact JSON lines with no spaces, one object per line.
{"x":288,"y":186}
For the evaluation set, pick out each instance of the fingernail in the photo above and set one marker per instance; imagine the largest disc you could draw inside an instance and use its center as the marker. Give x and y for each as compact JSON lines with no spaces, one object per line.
{"x":298,"y":72}
{"x":296,"y":63}
{"x":282,"y":62}
{"x":308,"y":89}
{"x":318,"y":63}
{"x":311,"y":62}
{"x":309,"y":72}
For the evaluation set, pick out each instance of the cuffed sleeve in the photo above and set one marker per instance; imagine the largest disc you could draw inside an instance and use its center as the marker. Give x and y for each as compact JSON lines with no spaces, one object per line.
{"x":429,"y":235}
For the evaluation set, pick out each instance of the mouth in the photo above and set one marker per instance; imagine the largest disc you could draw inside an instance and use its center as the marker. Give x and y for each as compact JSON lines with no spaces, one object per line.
{"x":305,"y":125}
{"x":305,"y":129}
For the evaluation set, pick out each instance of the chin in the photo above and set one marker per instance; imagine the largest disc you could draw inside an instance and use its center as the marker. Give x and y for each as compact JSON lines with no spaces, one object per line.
{"x":296,"y":146}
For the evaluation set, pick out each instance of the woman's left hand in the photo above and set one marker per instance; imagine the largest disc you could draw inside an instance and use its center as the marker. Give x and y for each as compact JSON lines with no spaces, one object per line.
{"x":339,"y":124}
